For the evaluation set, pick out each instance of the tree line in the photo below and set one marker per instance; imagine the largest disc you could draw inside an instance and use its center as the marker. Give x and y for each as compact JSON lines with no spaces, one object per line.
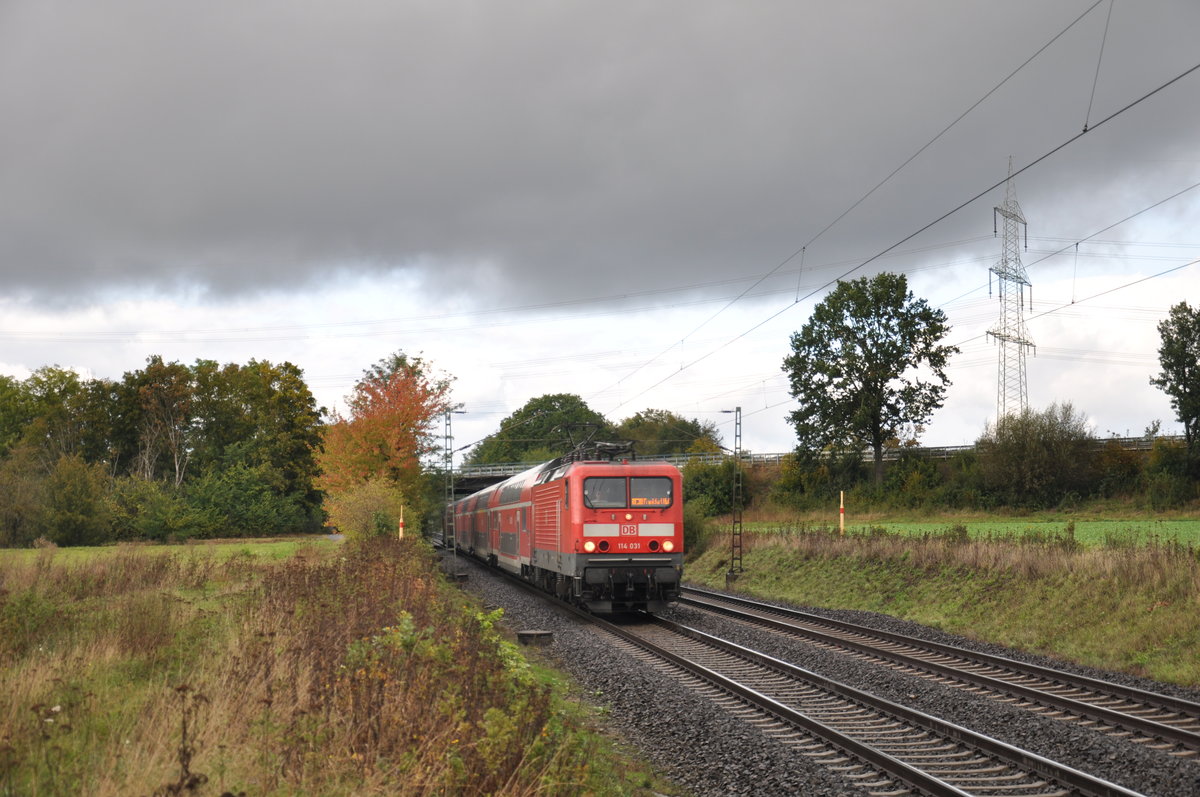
{"x":551,"y":425}
{"x":167,"y":451}
{"x":175,"y":451}
{"x":868,"y":371}
{"x":1036,"y":459}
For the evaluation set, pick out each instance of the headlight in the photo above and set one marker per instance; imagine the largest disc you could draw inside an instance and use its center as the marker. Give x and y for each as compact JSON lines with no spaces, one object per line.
{"x":668,"y":546}
{"x":589,"y":546}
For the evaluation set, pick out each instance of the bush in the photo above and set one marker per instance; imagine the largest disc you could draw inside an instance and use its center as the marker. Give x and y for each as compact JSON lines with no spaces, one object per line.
{"x":1166,"y":477}
{"x":370,"y":509}
{"x":697,"y":526}
{"x":713,"y":482}
{"x":807,"y":481}
{"x":23,"y":491}
{"x":150,"y":510}
{"x":241,"y":501}
{"x":1033,"y":459}
{"x":962,"y":483}
{"x":1119,"y":470}
{"x":1168,"y":490}
{"x":912,"y":481}
{"x":76,"y":511}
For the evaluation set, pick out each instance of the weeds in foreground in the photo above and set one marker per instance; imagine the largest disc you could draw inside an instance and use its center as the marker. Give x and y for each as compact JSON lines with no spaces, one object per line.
{"x":355,"y":672}
{"x":190,"y":704}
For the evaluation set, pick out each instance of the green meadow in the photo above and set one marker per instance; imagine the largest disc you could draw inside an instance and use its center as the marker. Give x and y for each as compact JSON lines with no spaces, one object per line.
{"x":1095,"y":532}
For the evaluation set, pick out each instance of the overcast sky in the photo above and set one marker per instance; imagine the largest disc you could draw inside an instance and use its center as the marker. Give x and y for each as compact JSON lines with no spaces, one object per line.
{"x":548,"y":197}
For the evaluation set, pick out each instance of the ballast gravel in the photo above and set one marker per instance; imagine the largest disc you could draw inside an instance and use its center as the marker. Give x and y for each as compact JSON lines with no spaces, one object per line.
{"x":697,"y":745}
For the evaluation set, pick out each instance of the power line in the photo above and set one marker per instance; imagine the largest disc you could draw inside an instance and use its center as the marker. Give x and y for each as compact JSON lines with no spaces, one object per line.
{"x":1038,"y":315}
{"x":864,"y":197}
{"x":936,"y":221}
{"x":1099,"y":60}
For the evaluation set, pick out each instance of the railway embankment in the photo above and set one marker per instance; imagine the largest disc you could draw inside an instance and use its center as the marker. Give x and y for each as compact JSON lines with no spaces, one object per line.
{"x":1125,"y":608}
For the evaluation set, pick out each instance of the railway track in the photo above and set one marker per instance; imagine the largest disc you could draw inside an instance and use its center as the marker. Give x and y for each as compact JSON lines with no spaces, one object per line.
{"x":887,"y":748}
{"x":884,"y":748}
{"x":1157,"y":721}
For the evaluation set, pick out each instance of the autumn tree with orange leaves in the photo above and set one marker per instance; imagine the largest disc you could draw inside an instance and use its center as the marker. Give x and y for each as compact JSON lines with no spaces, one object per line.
{"x":372,"y":458}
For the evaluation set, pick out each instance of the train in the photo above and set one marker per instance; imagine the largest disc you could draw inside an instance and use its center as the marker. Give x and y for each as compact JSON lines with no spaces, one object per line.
{"x":595,"y":527}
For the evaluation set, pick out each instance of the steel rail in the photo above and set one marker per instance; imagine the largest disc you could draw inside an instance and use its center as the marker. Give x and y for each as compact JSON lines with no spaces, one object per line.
{"x":1023,"y":759}
{"x":1152,"y":728}
{"x":888,"y":765}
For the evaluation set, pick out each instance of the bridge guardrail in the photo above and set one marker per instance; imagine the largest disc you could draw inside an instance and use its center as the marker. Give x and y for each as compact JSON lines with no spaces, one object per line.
{"x":889,"y":455}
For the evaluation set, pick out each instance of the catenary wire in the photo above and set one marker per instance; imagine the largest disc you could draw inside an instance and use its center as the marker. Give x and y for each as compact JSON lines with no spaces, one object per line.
{"x":865,"y":196}
{"x":927,"y":226}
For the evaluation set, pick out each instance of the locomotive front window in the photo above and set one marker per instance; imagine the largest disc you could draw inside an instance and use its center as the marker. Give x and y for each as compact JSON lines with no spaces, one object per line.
{"x":650,"y":491}
{"x":601,"y":492}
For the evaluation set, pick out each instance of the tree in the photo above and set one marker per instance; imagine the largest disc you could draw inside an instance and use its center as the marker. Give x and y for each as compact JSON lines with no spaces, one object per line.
{"x":261,"y":417}
{"x":16,"y":411}
{"x":1179,"y":357}
{"x":658,"y":433}
{"x":546,"y":427}
{"x":54,"y":428}
{"x":868,"y":367}
{"x":383,"y":439}
{"x":165,"y":395}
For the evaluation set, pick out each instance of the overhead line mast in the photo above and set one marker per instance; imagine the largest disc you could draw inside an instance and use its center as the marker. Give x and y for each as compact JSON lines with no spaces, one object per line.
{"x":1012,"y":387}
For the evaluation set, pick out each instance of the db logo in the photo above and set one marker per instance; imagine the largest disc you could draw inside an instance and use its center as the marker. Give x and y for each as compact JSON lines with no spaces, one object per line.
{"x":628,"y":529}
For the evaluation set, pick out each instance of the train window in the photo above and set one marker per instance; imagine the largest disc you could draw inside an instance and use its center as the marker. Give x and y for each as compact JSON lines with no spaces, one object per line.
{"x":510,"y":492}
{"x":649,"y":491}
{"x":604,"y":492}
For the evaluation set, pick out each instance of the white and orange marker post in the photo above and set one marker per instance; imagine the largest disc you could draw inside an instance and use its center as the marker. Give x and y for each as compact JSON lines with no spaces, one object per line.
{"x":841,"y":512}
{"x":400,"y":534}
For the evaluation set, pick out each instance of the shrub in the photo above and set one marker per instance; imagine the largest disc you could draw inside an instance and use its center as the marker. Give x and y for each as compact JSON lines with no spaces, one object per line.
{"x":912,"y":481}
{"x":1166,"y":477}
{"x":1166,"y":490}
{"x":962,"y":482}
{"x":241,"y":501}
{"x":714,"y":482}
{"x":697,"y":528}
{"x":1035,"y":458}
{"x":23,"y":487}
{"x":76,"y":511}
{"x":370,"y":509}
{"x":808,"y":480}
{"x":149,"y":510}
{"x":1119,"y":470}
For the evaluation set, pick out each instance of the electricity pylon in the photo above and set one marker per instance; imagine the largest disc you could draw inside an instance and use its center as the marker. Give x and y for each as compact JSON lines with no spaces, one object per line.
{"x":1012,"y":389}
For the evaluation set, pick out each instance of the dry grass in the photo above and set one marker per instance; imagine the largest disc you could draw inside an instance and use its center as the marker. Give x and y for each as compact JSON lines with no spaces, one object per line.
{"x":352,"y":673}
{"x":1129,"y":608}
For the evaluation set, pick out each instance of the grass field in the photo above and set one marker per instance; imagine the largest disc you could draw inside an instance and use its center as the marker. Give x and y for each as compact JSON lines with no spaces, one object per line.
{"x":1086,"y":532}
{"x":280,"y":668}
{"x":265,"y":550}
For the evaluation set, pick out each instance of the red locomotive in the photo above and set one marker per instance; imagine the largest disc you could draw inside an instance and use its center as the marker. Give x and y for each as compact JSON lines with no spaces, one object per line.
{"x":604,"y":533}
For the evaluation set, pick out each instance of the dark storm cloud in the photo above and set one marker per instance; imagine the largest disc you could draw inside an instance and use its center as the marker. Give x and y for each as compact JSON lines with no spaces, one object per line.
{"x":579,"y":148}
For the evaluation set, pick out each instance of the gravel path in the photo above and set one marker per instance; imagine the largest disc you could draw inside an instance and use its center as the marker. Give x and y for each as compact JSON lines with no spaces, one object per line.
{"x":694,"y":744}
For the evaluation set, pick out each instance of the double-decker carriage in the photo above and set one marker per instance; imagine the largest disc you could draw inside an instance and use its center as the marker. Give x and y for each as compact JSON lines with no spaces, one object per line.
{"x":597,"y":530}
